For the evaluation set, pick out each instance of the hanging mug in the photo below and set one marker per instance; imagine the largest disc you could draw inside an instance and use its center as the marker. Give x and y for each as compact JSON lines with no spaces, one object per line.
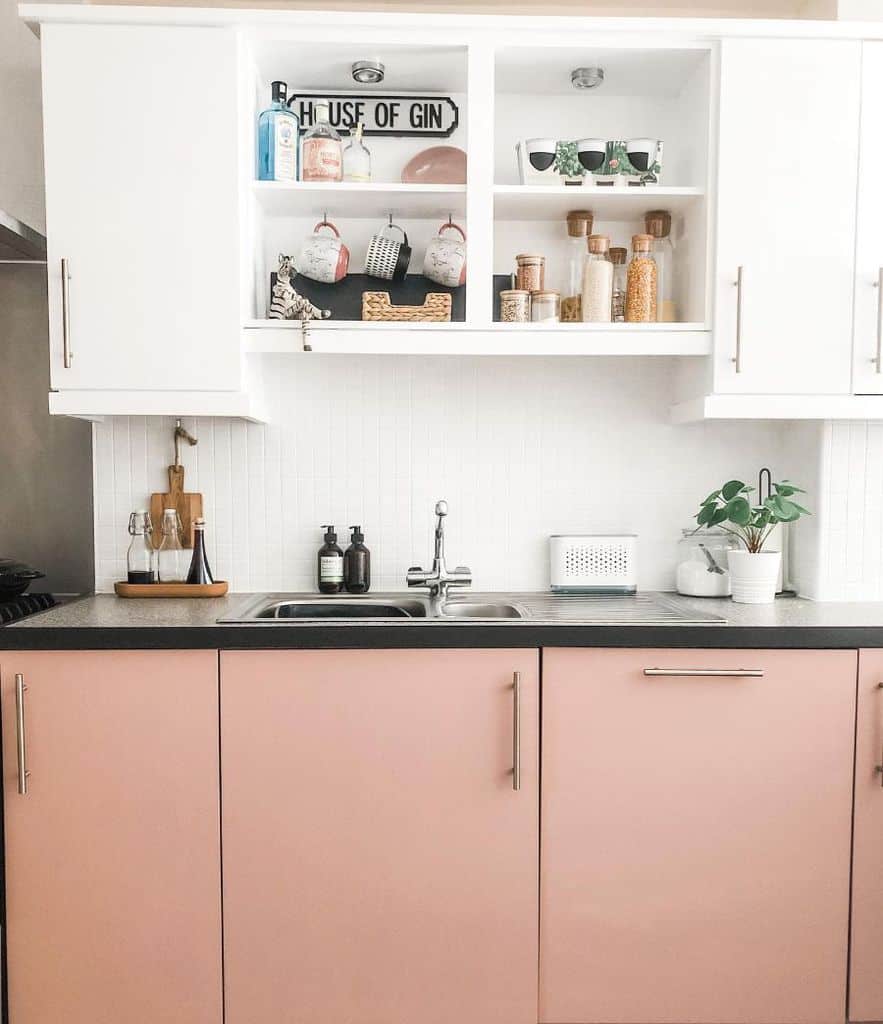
{"x":387,"y":258}
{"x":445,"y":259}
{"x":323,"y":258}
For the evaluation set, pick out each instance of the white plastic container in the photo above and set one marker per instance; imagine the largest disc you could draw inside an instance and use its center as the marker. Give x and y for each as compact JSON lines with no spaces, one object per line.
{"x":593,"y":563}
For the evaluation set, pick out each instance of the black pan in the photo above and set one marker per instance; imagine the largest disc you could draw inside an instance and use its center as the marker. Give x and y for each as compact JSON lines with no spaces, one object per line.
{"x":16,"y":577}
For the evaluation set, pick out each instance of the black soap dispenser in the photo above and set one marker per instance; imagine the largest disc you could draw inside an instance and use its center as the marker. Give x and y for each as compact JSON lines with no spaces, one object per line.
{"x":330,"y":564}
{"x":357,"y":564}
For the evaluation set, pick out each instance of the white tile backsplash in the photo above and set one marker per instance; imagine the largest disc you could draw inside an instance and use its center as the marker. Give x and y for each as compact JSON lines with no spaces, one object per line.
{"x":520,"y":447}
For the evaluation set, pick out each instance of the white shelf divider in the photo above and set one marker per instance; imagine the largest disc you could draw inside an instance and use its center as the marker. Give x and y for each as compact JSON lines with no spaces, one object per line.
{"x":371,"y":199}
{"x":551,"y":202}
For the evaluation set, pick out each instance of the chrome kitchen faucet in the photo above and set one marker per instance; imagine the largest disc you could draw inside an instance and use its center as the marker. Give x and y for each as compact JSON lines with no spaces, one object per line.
{"x":438,"y":579}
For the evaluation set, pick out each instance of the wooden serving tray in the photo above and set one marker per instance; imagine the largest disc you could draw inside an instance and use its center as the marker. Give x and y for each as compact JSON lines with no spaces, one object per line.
{"x":217,"y":589}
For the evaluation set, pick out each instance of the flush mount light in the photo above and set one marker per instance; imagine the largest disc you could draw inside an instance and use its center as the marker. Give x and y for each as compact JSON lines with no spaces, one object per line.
{"x":368,"y":72}
{"x":586,"y":78}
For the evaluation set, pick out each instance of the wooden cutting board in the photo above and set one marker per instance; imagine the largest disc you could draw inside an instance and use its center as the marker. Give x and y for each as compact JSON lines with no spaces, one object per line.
{"x":188,"y":504}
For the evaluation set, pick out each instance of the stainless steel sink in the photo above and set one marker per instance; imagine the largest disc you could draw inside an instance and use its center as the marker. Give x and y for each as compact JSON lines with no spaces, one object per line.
{"x":480,"y":610}
{"x":332,"y":607}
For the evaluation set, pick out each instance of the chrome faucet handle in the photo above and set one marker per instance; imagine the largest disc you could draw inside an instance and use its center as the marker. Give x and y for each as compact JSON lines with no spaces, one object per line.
{"x":441,"y":508}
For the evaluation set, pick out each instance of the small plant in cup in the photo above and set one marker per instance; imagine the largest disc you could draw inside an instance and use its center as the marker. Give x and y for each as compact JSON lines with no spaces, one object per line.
{"x":753,"y":571}
{"x":567,"y":163}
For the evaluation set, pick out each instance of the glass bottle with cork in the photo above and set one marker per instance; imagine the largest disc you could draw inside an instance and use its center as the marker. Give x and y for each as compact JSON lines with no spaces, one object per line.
{"x":658,"y":224}
{"x":618,"y":256}
{"x":597,"y":283}
{"x":322,"y":156}
{"x":579,"y":227}
{"x":199,"y":571}
{"x":641,"y":282}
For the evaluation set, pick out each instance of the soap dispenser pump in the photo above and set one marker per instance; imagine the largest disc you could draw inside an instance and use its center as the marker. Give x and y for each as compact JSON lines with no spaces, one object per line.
{"x":330,"y":564}
{"x":357,"y":564}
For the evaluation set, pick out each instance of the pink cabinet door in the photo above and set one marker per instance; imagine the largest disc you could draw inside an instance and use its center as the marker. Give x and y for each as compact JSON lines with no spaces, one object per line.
{"x":866,"y":974}
{"x":113,"y":855}
{"x":696,"y":836}
{"x":379,"y":866}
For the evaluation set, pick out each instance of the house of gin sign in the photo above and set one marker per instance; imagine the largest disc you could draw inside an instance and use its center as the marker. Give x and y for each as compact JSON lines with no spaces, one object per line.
{"x":396,"y":116}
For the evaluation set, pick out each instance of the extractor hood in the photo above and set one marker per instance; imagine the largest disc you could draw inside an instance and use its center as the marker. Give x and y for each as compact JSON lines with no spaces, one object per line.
{"x":20,"y":243}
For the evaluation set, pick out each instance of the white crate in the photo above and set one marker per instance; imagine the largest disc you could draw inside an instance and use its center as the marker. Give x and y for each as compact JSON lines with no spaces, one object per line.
{"x":593,"y":563}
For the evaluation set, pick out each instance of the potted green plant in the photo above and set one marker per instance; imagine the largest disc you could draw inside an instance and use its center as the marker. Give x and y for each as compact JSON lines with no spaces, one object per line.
{"x":753,"y":571}
{"x":567,"y":163}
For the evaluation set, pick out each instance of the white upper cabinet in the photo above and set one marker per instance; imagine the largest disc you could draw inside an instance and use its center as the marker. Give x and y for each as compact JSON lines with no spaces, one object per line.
{"x":867,"y":374}
{"x":786,"y":215}
{"x":142,"y":201}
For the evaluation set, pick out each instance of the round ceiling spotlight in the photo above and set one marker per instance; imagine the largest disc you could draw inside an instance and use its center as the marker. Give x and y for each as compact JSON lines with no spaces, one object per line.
{"x":586,"y":78}
{"x":368,"y":72}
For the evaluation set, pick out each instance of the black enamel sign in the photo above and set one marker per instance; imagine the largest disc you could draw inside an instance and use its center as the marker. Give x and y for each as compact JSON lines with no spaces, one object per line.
{"x":395,"y":116}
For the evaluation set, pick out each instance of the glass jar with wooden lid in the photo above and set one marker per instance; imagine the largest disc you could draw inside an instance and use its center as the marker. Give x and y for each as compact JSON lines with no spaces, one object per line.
{"x":597,"y":281}
{"x":641,"y":282}
{"x":545,"y":307}
{"x":530,"y":275}
{"x":579,"y":227}
{"x":618,"y":256}
{"x":514,"y":306}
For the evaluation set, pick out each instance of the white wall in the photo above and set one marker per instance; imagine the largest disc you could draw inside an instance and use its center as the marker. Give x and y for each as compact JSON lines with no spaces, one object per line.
{"x":21,"y":129}
{"x":521,"y":448}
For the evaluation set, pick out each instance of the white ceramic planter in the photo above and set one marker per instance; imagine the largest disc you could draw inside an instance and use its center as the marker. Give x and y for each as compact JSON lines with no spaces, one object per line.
{"x":753,"y":577}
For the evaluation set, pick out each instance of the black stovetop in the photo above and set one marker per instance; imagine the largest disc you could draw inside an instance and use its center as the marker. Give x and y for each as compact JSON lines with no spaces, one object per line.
{"x":25,"y":604}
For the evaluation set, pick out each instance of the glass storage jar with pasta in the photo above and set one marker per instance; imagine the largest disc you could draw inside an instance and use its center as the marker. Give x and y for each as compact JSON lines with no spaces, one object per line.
{"x":597,"y":291}
{"x":641,"y":282}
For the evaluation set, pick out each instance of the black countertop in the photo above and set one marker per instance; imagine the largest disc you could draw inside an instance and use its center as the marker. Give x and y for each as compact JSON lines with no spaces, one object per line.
{"x":105,"y":622}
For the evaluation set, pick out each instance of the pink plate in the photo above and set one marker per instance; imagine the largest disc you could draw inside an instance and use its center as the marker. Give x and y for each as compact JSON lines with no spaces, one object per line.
{"x":438,"y":165}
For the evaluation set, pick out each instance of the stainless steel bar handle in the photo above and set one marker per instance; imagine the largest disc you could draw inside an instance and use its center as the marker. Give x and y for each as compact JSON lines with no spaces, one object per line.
{"x":738,"y":282}
{"x":21,"y":742}
{"x":516,"y":731}
{"x":878,"y":768}
{"x":713,"y":673}
{"x":66,"y":313}
{"x":878,"y":358}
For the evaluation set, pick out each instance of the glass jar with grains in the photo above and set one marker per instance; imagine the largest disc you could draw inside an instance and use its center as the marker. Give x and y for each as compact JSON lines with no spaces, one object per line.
{"x":640,"y":289}
{"x":618,"y":257}
{"x":579,"y":226}
{"x":597,"y":281}
{"x":530,"y":275}
{"x":514,"y":306}
{"x":658,"y":224}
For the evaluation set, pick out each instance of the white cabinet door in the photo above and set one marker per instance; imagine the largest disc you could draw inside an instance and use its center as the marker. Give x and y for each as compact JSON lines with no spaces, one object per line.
{"x":140,"y":128}
{"x":789,"y":127}
{"x":867,"y":369}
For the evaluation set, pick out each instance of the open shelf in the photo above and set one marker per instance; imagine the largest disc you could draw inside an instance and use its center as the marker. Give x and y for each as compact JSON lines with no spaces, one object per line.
{"x":617,"y":203}
{"x":373,"y":200}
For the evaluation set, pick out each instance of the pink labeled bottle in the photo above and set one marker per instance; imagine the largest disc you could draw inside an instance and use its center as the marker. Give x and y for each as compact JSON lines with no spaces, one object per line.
{"x":322,"y":154}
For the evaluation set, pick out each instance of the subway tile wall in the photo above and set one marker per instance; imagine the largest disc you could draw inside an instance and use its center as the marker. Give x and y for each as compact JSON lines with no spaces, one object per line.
{"x":520,"y":448}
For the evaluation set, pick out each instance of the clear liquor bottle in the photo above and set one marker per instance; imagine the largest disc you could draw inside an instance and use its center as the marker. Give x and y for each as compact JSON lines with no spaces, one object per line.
{"x":173,"y":561}
{"x":322,"y":157}
{"x":277,"y":139}
{"x":357,"y":157}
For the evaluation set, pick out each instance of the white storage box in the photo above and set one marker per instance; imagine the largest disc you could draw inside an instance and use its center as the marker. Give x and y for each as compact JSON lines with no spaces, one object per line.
{"x":593,"y":563}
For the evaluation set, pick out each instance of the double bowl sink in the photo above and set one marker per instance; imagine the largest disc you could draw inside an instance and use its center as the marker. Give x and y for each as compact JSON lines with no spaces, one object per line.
{"x":336,"y":607}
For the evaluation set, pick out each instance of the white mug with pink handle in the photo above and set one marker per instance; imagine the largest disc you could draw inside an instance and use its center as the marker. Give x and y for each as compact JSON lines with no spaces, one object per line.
{"x":323,"y":258}
{"x":445,"y":259}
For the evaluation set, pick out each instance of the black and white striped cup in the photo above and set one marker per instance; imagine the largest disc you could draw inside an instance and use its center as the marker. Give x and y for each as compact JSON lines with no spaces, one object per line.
{"x":387,"y":258}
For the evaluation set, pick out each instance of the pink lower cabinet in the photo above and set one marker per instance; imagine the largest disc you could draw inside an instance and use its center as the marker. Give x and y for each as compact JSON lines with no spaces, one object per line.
{"x":113,"y":853}
{"x":866,"y":975}
{"x":379,"y":865}
{"x":696,"y":836}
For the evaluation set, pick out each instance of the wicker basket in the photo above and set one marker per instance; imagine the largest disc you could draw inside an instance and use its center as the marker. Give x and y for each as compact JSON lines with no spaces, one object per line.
{"x":377,"y":306}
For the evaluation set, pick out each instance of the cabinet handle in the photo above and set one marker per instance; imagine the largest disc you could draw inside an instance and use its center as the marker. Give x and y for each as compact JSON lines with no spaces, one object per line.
{"x":878,"y":768}
{"x":516,"y":731}
{"x":713,"y":673}
{"x":66,"y":313}
{"x":737,"y":359}
{"x":21,"y":744}
{"x":878,"y":358}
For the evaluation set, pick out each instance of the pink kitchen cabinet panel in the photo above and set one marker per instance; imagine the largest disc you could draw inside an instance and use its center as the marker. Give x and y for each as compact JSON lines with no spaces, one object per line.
{"x":866,"y":972}
{"x":696,"y":837}
{"x":379,"y":865}
{"x":113,"y":854}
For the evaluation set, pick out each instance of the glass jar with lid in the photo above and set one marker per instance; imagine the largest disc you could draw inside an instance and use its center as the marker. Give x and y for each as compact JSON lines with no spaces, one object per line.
{"x":173,"y":561}
{"x":618,"y":256}
{"x":514,"y":306}
{"x":703,"y":562}
{"x":579,"y":227}
{"x":545,"y":307}
{"x":141,"y":556}
{"x":658,"y":224}
{"x":641,"y":282}
{"x":597,"y":281}
{"x":530,"y":275}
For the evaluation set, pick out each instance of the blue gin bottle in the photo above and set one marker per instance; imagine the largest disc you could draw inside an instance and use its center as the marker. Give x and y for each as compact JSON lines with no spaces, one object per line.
{"x":277,"y":139}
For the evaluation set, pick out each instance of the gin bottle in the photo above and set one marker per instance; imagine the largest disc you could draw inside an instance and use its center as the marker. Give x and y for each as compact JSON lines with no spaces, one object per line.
{"x":322,"y":151}
{"x":277,"y":139}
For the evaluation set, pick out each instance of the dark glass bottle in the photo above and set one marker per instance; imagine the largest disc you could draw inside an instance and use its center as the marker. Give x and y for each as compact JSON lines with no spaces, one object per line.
{"x":357,"y":564}
{"x":329,"y":566}
{"x":199,"y":571}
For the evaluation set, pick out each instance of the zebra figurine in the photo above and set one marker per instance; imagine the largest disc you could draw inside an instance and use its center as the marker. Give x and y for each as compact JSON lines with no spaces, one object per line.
{"x":288,"y":304}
